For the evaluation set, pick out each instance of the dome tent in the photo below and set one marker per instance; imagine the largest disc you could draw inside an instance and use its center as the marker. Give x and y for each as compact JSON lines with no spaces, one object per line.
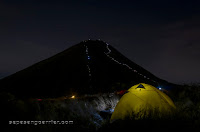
{"x":141,"y":100}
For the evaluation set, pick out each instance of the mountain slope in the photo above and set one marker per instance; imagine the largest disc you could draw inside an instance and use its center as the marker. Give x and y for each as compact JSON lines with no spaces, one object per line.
{"x":89,"y":67}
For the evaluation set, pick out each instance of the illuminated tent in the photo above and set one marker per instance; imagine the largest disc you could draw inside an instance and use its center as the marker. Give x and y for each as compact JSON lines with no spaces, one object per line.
{"x":142,"y":100}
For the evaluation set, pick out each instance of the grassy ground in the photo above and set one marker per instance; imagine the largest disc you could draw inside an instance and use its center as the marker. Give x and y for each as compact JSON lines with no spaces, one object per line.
{"x":91,"y":113}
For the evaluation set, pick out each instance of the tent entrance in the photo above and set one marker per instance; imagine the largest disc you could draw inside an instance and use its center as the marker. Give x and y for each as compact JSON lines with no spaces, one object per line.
{"x":140,"y":86}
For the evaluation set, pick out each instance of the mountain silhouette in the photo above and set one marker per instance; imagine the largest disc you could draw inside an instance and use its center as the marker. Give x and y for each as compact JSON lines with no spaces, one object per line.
{"x":89,"y":67}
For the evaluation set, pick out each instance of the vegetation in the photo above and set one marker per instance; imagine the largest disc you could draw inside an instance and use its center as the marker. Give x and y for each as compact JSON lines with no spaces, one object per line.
{"x":92,"y":113}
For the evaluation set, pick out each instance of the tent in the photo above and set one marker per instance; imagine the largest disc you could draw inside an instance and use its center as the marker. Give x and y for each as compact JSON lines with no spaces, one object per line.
{"x":142,"y":100}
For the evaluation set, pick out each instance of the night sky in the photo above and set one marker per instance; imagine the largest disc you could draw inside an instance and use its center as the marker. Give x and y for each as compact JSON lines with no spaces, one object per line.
{"x":161,"y":36}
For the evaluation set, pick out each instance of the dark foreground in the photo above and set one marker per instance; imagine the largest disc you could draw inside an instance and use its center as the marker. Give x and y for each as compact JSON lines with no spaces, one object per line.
{"x":92,"y":113}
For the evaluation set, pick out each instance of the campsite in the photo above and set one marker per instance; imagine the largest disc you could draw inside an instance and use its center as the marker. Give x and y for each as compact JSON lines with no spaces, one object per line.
{"x":94,"y":113}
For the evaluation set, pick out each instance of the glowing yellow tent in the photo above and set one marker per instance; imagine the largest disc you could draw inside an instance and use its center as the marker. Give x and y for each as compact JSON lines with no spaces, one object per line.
{"x":141,"y":100}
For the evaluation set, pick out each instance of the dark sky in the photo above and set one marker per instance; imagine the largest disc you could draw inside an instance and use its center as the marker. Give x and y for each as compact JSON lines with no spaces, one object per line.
{"x":161,"y":36}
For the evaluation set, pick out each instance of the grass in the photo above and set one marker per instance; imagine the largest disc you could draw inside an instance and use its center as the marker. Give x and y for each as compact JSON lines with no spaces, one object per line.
{"x":87,"y":113}
{"x":91,"y":113}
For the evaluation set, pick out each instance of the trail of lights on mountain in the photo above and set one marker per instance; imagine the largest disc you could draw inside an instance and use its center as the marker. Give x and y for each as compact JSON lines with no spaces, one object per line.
{"x":107,"y":54}
{"x":88,"y":57}
{"x":113,"y":59}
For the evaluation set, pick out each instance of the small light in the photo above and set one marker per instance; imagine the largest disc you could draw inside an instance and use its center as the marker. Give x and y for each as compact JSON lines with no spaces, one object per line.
{"x":160,"y":88}
{"x":73,"y":97}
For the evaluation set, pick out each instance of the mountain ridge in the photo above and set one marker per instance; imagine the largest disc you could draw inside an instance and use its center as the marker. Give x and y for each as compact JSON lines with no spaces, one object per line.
{"x":90,"y":67}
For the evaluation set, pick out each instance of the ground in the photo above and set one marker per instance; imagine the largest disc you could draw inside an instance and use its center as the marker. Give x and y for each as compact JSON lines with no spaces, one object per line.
{"x":92,"y":113}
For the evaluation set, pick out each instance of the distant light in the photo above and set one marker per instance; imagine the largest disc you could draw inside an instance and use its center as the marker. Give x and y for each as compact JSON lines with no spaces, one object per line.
{"x":89,"y":58}
{"x":160,"y":88}
{"x":39,"y":99}
{"x":73,"y":97}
